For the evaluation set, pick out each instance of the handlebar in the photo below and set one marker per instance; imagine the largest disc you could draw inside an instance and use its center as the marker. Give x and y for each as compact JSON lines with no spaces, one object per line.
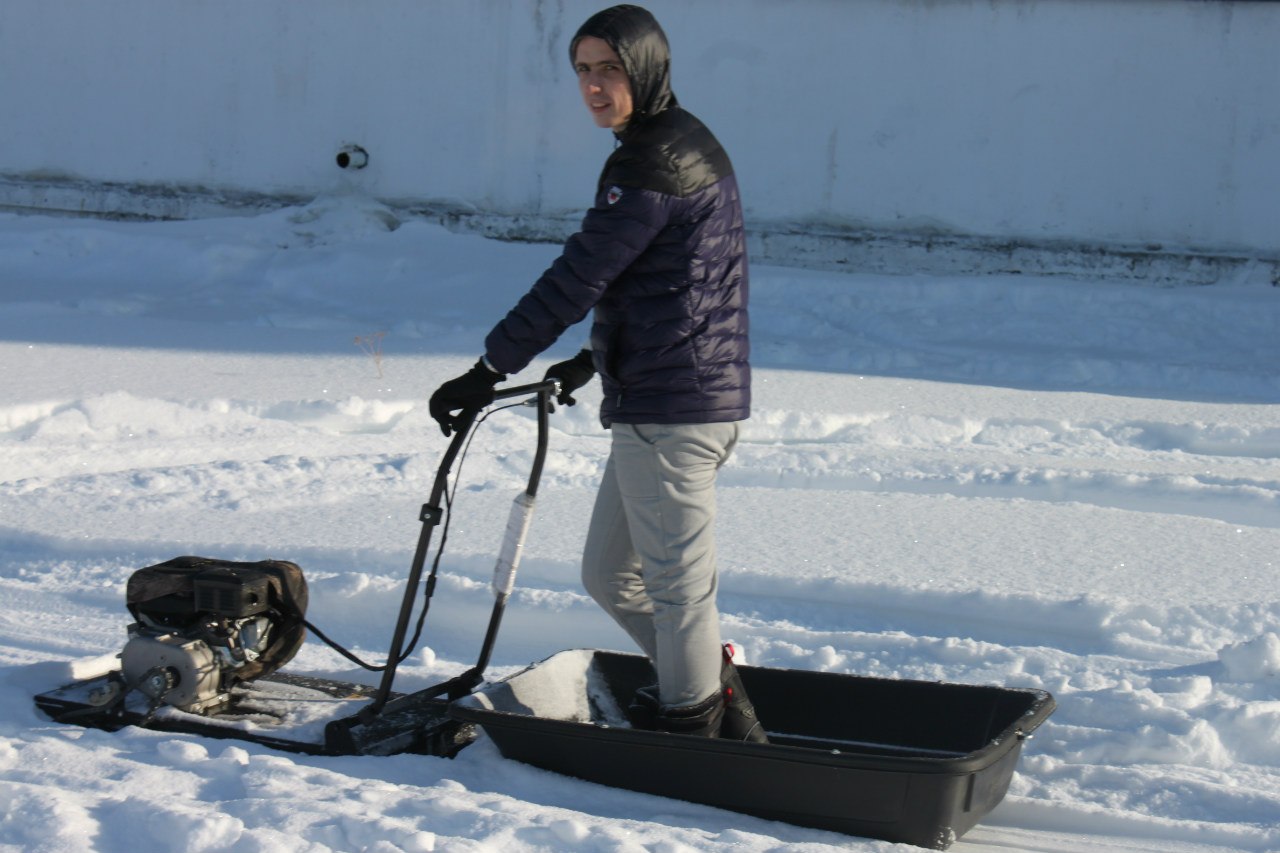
{"x":432,"y":515}
{"x":550,"y":387}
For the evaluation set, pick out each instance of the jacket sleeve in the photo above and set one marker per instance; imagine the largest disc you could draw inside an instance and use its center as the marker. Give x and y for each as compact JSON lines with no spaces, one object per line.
{"x":621,"y":225}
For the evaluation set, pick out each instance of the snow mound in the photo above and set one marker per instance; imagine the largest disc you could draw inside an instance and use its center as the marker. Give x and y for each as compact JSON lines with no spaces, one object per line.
{"x":1252,"y":660}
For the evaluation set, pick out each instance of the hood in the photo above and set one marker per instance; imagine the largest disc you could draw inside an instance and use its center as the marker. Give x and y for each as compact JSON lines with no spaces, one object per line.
{"x":634,"y":34}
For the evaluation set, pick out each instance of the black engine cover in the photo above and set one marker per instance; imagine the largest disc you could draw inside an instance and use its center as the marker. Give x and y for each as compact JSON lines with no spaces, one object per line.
{"x":184,"y":592}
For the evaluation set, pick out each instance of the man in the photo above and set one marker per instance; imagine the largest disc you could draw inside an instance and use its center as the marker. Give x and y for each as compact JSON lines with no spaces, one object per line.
{"x":661,"y":260}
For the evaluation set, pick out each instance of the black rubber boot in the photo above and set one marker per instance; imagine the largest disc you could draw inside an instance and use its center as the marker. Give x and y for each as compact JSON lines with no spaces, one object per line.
{"x":644,"y":707}
{"x":701,"y":719}
{"x":740,"y":721}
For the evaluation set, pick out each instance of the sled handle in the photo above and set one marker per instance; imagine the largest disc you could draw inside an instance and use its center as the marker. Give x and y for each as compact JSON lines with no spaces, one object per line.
{"x":543,"y":393}
{"x":432,"y":515}
{"x":550,"y":387}
{"x":517,"y":526}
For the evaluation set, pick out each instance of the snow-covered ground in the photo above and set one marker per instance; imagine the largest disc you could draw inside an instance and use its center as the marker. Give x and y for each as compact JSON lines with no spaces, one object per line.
{"x":1068,"y":485}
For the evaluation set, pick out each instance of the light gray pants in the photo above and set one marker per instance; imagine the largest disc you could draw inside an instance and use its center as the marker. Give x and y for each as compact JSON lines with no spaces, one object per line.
{"x":650,"y":557}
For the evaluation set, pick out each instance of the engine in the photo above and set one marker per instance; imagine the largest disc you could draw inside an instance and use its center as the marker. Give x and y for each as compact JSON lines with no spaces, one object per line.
{"x":205,"y":625}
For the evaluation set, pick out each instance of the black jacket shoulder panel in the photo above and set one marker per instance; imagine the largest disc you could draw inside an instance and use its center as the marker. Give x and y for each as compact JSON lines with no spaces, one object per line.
{"x":672,"y":153}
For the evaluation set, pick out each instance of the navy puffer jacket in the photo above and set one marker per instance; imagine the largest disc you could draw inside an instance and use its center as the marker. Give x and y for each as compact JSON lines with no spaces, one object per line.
{"x":661,"y":258}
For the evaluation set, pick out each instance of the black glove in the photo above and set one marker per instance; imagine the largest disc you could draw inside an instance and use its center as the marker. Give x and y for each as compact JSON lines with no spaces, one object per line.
{"x":571,"y":375}
{"x":470,"y":393}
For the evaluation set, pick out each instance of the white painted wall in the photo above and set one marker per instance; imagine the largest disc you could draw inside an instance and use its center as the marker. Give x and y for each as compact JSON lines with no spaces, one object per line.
{"x":1113,"y":121}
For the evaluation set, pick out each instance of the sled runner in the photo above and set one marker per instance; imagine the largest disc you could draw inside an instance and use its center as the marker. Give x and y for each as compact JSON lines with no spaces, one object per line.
{"x":914,"y":762}
{"x":282,"y":711}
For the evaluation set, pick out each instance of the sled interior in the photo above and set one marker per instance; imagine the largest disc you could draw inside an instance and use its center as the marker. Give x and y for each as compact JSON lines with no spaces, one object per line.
{"x":905,"y":761}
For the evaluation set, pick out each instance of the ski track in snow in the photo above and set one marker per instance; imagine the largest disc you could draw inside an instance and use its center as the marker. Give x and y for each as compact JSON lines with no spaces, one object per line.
{"x":1000,"y":481}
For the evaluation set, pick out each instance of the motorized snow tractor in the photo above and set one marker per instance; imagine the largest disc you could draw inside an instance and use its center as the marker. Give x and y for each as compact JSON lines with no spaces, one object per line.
{"x":914,"y":762}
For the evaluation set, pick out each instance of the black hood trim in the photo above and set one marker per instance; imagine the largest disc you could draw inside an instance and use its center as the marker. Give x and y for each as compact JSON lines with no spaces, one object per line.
{"x":638,"y":39}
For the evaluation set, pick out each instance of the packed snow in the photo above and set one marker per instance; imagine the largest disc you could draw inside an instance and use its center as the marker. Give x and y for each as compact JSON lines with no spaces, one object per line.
{"x":1059,"y":484}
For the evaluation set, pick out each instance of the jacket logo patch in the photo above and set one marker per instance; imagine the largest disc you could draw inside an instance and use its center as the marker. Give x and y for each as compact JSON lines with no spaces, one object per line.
{"x":615,"y":193}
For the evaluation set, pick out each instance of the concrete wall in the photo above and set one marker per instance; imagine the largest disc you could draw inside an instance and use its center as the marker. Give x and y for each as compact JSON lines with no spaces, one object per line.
{"x":875,"y":133}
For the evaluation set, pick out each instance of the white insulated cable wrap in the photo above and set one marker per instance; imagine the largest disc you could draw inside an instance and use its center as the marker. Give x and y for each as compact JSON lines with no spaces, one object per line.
{"x":504,"y":573}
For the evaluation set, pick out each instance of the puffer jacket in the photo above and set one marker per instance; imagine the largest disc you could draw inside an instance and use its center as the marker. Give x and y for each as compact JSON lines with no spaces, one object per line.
{"x":661,"y":258}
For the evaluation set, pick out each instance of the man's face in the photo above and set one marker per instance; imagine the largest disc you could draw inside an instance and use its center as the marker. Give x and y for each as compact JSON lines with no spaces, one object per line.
{"x":603,"y":83}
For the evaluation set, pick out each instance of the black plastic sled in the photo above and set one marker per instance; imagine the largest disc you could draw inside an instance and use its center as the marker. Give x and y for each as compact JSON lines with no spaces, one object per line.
{"x":907,"y":761}
{"x":210,"y":635}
